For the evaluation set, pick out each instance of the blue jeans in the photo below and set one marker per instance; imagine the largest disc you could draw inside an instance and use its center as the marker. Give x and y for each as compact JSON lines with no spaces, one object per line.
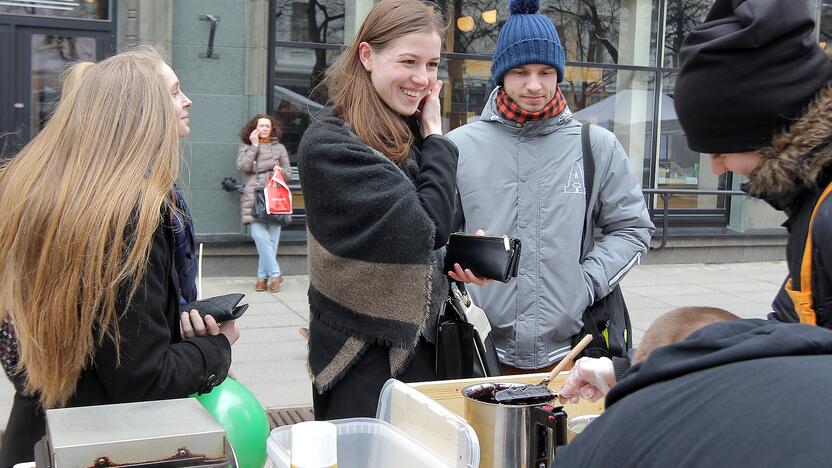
{"x":266,"y":237}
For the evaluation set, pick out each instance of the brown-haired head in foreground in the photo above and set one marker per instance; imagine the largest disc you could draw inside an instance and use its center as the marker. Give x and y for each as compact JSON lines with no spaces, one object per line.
{"x":351,"y":92}
{"x":676,"y":325}
{"x":245,"y":133}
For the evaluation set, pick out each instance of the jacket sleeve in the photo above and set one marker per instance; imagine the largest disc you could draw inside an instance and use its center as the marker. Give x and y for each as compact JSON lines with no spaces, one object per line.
{"x":625,"y":225}
{"x":283,"y":161}
{"x":154,"y":362}
{"x":436,"y":184}
{"x":246,"y":155}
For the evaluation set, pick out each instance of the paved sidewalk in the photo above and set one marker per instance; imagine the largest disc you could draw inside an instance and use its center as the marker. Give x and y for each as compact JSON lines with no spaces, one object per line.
{"x":270,"y":357}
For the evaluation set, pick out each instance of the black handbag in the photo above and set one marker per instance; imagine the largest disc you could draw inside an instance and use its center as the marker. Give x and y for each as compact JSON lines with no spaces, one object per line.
{"x":493,"y":257}
{"x":607,"y":319}
{"x":259,"y":213}
{"x":464,"y":347}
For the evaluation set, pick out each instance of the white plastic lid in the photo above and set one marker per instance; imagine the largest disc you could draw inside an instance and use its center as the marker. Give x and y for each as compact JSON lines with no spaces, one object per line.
{"x":430,"y":424}
{"x":314,"y":444}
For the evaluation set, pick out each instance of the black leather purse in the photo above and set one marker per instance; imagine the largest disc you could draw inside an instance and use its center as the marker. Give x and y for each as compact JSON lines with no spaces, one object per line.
{"x":222,"y":308}
{"x":493,"y":257}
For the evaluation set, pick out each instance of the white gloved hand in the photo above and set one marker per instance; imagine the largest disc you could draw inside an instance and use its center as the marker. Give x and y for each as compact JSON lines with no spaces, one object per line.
{"x":590,"y":379}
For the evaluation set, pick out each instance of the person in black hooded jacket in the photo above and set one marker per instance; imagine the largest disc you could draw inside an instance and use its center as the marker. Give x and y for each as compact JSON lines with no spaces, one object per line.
{"x":755,"y":91}
{"x":738,"y":393}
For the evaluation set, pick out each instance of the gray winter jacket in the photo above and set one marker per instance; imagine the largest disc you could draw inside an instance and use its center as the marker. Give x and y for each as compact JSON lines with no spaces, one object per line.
{"x":268,"y":156}
{"x":526,"y":181}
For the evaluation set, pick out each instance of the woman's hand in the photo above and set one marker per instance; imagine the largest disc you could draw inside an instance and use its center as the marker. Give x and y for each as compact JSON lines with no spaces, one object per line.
{"x":191,"y":325}
{"x":430,"y":116}
{"x":466,"y":276}
{"x":254,"y":138}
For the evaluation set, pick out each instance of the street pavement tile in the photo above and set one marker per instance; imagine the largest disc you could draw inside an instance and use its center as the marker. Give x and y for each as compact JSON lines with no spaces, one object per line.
{"x":711,"y":299}
{"x":267,"y":352}
{"x":271,"y":335}
{"x":279,"y":395}
{"x":273,"y":371}
{"x":664,"y":293}
{"x":271,"y":320}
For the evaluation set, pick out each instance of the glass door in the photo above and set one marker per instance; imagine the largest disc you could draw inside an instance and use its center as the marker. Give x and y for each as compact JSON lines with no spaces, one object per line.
{"x":42,"y":56}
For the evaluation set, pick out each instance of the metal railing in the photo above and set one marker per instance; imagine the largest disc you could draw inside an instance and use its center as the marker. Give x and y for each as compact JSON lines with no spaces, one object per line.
{"x":666,"y":194}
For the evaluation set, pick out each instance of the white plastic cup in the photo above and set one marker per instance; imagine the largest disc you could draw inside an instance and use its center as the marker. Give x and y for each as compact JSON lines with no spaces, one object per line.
{"x":314,"y":445}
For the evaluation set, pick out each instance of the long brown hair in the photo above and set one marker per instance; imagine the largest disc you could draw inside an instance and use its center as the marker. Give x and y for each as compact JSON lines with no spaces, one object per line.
{"x":78,"y":209}
{"x":352,"y":93}
{"x":245,"y":133}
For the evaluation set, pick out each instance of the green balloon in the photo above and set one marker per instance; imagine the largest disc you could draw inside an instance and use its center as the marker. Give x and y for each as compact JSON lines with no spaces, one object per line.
{"x":242,"y":416}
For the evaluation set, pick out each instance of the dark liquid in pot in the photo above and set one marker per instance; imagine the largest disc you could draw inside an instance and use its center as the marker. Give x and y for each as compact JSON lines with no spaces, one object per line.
{"x":487,"y":392}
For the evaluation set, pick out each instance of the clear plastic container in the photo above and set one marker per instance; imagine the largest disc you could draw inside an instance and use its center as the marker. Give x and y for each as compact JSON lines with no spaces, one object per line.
{"x":362,"y":443}
{"x":412,"y":431}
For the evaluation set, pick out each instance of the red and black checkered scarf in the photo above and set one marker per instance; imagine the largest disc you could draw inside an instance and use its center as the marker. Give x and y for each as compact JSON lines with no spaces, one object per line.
{"x":512,"y":111}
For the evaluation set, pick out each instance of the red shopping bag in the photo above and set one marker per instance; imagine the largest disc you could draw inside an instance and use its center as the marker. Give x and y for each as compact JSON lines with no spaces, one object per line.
{"x":278,"y":195}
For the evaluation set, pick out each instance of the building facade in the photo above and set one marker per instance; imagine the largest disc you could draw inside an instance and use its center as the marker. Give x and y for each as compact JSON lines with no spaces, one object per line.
{"x":237,"y":58}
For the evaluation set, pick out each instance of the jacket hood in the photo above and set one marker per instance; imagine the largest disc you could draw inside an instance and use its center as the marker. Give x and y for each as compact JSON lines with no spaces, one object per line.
{"x":542,"y":127}
{"x":797,"y":156}
{"x":721,"y":344}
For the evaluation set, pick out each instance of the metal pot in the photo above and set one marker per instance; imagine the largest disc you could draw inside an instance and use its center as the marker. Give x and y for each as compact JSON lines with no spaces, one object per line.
{"x":513,"y":436}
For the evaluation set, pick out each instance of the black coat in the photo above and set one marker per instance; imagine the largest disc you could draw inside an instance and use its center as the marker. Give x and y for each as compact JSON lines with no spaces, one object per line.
{"x":793,"y":172}
{"x":798,"y":226}
{"x":156,"y":363}
{"x":745,"y":393}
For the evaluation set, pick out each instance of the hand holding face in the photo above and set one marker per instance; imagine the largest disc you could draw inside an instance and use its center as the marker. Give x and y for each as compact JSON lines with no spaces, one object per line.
{"x":431,"y":112}
{"x":254,"y":138}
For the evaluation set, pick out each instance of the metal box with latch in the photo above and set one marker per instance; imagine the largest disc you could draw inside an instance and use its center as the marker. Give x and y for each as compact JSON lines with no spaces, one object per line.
{"x":160,"y":433}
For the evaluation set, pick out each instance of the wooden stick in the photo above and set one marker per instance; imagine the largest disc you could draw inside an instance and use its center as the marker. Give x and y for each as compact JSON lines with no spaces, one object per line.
{"x":565,"y":361}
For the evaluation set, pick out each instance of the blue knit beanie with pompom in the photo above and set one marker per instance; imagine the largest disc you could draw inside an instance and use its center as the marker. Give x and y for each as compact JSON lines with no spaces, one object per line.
{"x":527,"y":37}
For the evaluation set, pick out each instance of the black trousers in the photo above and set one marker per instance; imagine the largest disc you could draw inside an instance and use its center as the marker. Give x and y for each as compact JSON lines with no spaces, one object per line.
{"x":356,"y":394}
{"x":26,"y":426}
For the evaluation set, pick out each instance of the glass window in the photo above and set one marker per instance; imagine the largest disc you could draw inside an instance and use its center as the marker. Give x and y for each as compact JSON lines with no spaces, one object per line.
{"x":681,"y":17}
{"x":51,"y":57}
{"x":620,"y":101}
{"x":679,"y":167}
{"x":297,"y":90}
{"x":825,"y":23}
{"x":466,"y":90}
{"x":601,"y":31}
{"x":79,"y":9}
{"x":310,"y":21}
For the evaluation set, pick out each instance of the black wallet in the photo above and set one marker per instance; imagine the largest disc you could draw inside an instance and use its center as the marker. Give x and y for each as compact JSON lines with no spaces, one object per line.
{"x":222,"y":308}
{"x":493,"y":257}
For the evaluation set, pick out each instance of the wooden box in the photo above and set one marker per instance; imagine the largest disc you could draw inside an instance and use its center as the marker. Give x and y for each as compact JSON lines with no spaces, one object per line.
{"x":448,"y":393}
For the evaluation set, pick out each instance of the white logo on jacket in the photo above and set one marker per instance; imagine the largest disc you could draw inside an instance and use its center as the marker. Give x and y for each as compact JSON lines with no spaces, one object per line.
{"x":575,"y":184}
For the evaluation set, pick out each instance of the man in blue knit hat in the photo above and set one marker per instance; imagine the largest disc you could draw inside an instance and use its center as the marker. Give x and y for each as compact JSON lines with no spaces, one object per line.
{"x":521,"y":173}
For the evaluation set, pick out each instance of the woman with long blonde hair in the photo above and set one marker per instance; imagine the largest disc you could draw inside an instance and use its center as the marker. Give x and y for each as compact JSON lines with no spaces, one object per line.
{"x":86,"y":242}
{"x":378,"y":181}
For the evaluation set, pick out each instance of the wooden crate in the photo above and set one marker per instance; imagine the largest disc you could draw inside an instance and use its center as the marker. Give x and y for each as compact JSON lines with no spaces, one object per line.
{"x":448,"y":393}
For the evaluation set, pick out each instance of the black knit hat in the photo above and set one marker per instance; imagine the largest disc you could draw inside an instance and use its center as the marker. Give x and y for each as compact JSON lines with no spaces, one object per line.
{"x":747,"y":72}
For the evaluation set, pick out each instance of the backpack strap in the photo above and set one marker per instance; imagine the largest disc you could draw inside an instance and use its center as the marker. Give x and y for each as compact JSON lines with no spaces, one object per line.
{"x":589,"y":177}
{"x":803,"y":300}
